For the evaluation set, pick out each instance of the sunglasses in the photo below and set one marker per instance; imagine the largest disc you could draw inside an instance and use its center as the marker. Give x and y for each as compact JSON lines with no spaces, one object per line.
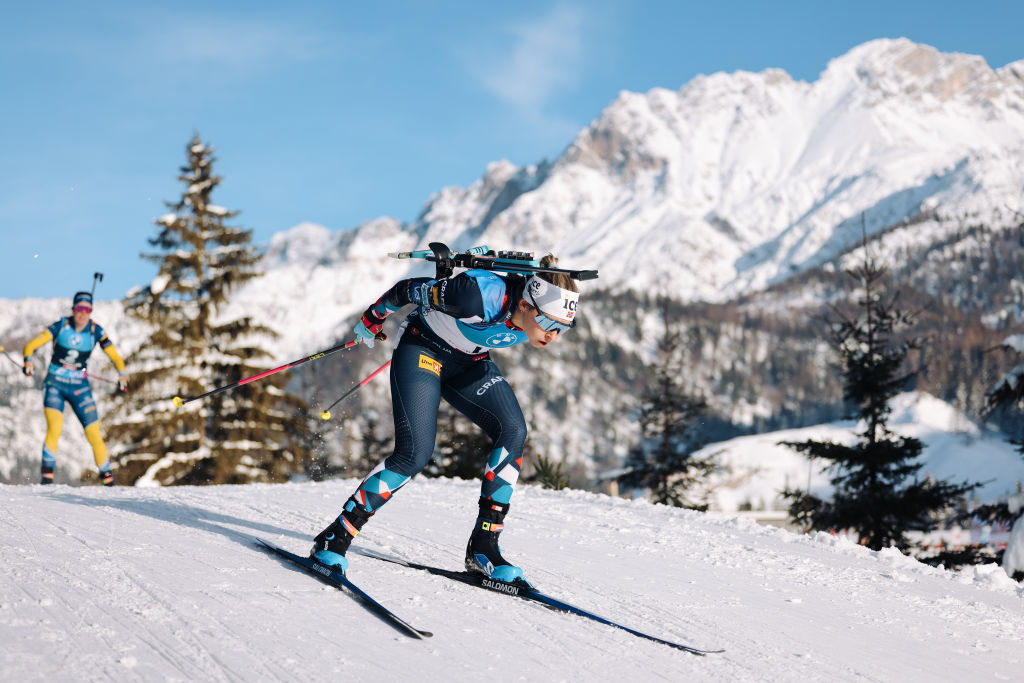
{"x":548,"y":324}
{"x":83,"y":309}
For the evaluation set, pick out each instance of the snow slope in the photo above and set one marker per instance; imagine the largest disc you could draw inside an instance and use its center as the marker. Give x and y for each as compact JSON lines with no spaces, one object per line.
{"x":165,"y":584}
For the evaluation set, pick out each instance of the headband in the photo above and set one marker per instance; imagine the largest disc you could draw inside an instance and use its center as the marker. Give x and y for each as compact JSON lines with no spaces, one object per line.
{"x":551,"y":299}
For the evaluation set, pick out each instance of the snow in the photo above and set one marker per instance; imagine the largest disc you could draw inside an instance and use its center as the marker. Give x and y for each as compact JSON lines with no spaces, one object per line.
{"x":159,"y":283}
{"x":1015,"y":342}
{"x":1013,"y":560}
{"x":166,"y":584}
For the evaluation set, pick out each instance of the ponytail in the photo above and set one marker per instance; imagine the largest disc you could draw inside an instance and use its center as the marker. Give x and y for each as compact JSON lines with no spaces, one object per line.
{"x":560,"y":280}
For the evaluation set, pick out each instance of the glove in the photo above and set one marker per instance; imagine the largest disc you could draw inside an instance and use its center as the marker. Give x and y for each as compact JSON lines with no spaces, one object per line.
{"x":369,"y":327}
{"x":28,"y":367}
{"x":122,"y":381}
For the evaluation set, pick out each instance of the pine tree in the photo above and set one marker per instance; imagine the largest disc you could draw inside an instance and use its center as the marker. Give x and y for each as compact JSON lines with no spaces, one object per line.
{"x":1006,"y":397}
{"x":549,"y":474}
{"x":877,"y":490}
{"x":664,"y":460}
{"x":254,"y":433}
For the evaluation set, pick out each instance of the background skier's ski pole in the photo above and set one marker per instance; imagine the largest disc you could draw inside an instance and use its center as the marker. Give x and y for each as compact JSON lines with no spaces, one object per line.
{"x":179,"y":401}
{"x":90,"y":375}
{"x":326,"y":414}
{"x":16,"y":363}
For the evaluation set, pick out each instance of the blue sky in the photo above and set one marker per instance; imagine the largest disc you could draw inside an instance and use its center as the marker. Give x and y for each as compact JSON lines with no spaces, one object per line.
{"x":340,"y":112}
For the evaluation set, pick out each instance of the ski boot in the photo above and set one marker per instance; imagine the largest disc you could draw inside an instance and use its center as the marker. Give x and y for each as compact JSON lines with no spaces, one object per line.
{"x":483,"y":555}
{"x":47,"y":474}
{"x":331,"y":544}
{"x":107,"y":477}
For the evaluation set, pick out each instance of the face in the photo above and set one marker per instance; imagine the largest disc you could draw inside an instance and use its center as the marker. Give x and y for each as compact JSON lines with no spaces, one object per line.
{"x":526,"y":318}
{"x":81,"y":314}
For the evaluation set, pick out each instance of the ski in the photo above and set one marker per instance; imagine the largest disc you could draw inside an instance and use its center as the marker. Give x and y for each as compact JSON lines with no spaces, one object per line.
{"x":340,"y":581}
{"x":521,"y":588}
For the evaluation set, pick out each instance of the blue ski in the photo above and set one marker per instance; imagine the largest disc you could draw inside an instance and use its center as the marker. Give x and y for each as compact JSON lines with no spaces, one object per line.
{"x":523,"y":589}
{"x":339,"y":580}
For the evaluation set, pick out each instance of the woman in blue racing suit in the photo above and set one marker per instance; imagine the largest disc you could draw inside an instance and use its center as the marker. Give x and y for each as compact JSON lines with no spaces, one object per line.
{"x":67,"y":381}
{"x":444,"y":352}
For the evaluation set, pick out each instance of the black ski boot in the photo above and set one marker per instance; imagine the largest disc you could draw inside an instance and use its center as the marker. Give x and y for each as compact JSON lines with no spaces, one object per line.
{"x":47,"y":474}
{"x":482,"y":553}
{"x":331,"y":544}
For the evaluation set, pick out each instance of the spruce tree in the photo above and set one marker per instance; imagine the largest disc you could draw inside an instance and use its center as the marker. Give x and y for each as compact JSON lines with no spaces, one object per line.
{"x":664,"y":459}
{"x":1006,"y":400}
{"x":877,"y":488}
{"x":257,"y":432}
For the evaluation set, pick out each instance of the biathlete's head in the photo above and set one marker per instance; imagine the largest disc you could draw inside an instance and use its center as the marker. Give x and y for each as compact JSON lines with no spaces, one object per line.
{"x":548,"y":306}
{"x":81,"y":307}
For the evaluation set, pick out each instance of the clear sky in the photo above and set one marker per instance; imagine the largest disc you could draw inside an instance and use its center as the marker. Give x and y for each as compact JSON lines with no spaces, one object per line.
{"x":339,"y":111}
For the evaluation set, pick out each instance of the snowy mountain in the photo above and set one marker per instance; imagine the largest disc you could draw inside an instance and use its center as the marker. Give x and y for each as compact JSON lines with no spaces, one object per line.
{"x":730,"y":185}
{"x":734,"y":182}
{"x":166,"y":584}
{"x":739,"y":180}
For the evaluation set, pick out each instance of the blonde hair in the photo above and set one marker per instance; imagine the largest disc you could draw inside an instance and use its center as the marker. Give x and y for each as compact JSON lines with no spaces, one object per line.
{"x":560,"y":280}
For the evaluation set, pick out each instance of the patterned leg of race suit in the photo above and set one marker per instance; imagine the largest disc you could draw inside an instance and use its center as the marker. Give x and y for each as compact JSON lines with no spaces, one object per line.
{"x":54,"y":425}
{"x":483,"y":395}
{"x":79,"y":395}
{"x":421,"y":373}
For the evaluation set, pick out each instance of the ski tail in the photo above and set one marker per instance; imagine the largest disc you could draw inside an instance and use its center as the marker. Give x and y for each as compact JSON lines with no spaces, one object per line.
{"x":340,"y":581}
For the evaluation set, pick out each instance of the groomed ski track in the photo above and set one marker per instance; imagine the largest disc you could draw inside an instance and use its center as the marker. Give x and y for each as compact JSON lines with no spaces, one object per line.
{"x":166,"y":584}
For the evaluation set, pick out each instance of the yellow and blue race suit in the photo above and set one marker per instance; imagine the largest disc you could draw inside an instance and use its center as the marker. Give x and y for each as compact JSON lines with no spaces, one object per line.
{"x":67,"y":381}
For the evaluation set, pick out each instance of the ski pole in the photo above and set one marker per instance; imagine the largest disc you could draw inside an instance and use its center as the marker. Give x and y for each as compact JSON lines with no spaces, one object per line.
{"x":90,"y":376}
{"x":326,"y":414}
{"x":9,"y":357}
{"x":179,"y":401}
{"x":95,"y":277}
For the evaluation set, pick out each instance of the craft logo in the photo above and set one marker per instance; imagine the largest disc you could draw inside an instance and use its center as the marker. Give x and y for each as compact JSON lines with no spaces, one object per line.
{"x":428,"y":363}
{"x":488,"y":384}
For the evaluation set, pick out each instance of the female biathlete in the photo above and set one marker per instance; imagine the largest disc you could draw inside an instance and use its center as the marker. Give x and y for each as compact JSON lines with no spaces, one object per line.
{"x":444,"y":351}
{"x":66,"y":380}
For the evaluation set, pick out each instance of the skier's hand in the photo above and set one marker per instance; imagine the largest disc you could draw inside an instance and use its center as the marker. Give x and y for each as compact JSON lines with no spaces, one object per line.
{"x":370,"y":324}
{"x":122,"y":381}
{"x":364,"y":334}
{"x":28,"y":367}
